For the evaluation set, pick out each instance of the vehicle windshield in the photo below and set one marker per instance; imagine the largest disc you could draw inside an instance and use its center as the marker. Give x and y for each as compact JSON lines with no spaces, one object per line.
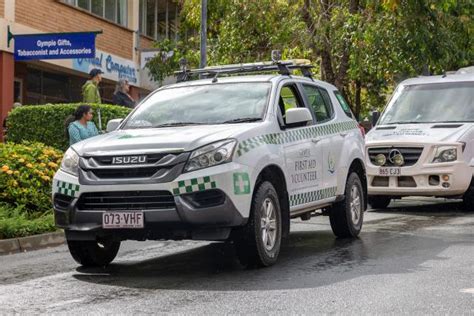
{"x":204,"y":104}
{"x":431,"y":103}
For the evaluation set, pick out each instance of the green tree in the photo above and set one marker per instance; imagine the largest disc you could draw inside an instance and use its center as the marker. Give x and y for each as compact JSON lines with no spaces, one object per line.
{"x":363,"y":47}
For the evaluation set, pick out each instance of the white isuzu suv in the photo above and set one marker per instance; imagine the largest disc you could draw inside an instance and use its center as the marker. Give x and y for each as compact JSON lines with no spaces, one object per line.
{"x":231,"y":158}
{"x":423,"y":144}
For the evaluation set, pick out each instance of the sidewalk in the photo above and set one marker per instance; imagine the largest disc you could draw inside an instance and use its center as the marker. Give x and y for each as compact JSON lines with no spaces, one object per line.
{"x":23,"y":244}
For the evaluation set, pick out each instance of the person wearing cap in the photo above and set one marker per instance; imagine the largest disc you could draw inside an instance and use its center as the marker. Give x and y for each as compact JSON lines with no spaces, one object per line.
{"x":90,"y":90}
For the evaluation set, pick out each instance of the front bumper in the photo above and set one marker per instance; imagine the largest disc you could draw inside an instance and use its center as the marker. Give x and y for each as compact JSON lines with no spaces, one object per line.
{"x":421,"y":179}
{"x":184,"y":217}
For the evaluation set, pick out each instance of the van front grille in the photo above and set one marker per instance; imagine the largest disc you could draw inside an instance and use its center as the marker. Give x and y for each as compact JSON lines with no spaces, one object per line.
{"x":410,"y":154}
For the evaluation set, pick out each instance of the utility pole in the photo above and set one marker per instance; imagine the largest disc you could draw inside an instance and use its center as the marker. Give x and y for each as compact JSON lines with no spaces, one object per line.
{"x":203,"y":34}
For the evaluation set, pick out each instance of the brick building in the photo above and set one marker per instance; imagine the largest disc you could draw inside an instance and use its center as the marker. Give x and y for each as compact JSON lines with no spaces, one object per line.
{"x":128,"y":27}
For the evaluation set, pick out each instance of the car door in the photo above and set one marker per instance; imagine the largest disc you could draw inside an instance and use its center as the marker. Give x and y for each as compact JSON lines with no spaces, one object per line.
{"x":331,"y":142}
{"x":302,"y":154}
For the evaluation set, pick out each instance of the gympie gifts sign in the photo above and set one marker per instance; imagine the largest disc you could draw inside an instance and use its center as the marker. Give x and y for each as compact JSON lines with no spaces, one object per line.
{"x":54,"y":46}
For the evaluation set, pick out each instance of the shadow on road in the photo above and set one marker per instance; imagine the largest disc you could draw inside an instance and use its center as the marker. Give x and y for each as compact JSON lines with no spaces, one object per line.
{"x":309,"y":259}
{"x":425,"y":207}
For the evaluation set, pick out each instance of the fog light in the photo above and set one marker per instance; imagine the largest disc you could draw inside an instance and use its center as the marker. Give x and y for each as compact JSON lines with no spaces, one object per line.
{"x":380,"y":160}
{"x":445,"y":177}
{"x":398,"y":160}
{"x":446,"y":185}
{"x":433,"y":180}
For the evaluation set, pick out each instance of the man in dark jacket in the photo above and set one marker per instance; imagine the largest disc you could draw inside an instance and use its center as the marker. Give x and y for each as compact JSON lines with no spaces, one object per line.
{"x":121,"y":96}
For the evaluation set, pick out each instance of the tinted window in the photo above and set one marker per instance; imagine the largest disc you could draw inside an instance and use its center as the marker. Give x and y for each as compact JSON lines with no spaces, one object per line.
{"x":319,"y":101}
{"x":288,"y":100}
{"x":345,"y":106}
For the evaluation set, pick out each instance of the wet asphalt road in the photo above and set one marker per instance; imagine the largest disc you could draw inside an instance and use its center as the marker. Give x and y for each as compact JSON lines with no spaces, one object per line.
{"x":414,"y":258}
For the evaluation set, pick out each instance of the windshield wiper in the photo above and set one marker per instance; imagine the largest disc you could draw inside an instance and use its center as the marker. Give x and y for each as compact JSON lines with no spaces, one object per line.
{"x":178,"y":124}
{"x":242,"y":120}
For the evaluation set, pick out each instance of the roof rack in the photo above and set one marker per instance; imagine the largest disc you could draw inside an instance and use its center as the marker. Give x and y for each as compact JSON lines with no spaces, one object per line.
{"x":283,"y":67}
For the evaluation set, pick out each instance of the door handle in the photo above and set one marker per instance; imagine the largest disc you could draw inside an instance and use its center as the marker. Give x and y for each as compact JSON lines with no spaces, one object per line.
{"x":344,"y":134}
{"x":315,"y":140}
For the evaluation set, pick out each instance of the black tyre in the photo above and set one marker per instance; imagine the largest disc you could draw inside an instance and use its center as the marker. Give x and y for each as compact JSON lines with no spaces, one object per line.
{"x":258,"y":242}
{"x":90,"y":253}
{"x":347,"y":216}
{"x":379,"y":201}
{"x":468,"y":198}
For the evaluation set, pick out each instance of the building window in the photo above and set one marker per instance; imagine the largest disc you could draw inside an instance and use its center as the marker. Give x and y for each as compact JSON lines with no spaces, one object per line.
{"x":112,"y":10}
{"x":159,"y":19}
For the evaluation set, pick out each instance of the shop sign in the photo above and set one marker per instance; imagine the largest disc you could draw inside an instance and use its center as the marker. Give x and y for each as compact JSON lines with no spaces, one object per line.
{"x":114,"y":67}
{"x":54,"y":46}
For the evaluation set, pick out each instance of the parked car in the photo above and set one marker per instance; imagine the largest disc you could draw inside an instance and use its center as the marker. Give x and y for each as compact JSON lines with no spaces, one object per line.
{"x":423,"y":144}
{"x":216,"y":159}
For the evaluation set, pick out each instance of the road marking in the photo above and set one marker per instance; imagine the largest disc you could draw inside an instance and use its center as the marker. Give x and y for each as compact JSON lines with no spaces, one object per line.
{"x":468,"y":291}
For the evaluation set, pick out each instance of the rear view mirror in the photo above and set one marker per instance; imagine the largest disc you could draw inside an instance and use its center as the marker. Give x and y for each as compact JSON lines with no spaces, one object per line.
{"x":113,"y":124}
{"x":375,"y":117}
{"x":298,"y":116}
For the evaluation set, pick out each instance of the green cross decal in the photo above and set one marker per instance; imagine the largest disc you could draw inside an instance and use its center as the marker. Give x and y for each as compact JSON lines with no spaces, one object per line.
{"x":241,"y":183}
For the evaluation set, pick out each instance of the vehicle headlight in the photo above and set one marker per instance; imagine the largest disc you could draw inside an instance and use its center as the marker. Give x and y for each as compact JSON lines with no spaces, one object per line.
{"x":211,"y":155}
{"x":70,"y":162}
{"x":445,"y":154}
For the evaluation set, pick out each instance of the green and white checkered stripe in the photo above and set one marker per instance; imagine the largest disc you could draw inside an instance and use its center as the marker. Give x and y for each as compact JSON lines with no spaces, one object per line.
{"x":308,"y":197}
{"x":294,"y":135}
{"x":194,"y":185}
{"x":67,"y":188}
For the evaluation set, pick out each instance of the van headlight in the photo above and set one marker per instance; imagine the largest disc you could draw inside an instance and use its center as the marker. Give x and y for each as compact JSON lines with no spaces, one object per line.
{"x":211,"y":155}
{"x":70,"y":162}
{"x":445,"y":154}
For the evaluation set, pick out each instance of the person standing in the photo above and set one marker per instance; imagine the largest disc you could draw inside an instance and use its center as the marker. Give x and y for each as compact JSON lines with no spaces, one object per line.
{"x":90,"y":90}
{"x":121,"y":94}
{"x":79,"y":126}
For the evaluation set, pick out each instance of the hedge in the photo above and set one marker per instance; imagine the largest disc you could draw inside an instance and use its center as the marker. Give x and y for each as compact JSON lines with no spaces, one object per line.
{"x":26,"y":175}
{"x":45,"y":123}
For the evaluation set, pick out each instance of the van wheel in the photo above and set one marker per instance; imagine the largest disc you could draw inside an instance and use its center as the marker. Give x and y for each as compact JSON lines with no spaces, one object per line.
{"x":468,"y":198}
{"x":346,"y":217}
{"x":258,"y":242}
{"x":90,"y":253}
{"x":379,"y":201}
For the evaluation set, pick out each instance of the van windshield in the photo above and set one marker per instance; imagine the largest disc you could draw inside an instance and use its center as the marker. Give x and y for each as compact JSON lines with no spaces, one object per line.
{"x":203,"y":104}
{"x":431,"y":103}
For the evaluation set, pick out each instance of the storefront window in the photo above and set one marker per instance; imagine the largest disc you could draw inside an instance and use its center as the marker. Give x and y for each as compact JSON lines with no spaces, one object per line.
{"x":159,"y":19}
{"x":113,"y":10}
{"x":43,"y":86}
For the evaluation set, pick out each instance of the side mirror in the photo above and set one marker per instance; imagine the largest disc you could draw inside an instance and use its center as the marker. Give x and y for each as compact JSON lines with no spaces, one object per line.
{"x":113,"y":124}
{"x":298,"y":116}
{"x":375,"y":117}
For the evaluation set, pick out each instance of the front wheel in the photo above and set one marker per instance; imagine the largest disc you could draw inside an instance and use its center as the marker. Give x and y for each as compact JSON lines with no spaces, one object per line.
{"x":346,"y":217}
{"x":468,"y":198}
{"x":258,"y":242}
{"x":91,"y":253}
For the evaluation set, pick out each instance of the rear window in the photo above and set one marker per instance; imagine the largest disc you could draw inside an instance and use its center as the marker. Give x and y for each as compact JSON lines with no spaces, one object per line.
{"x":345,"y":106}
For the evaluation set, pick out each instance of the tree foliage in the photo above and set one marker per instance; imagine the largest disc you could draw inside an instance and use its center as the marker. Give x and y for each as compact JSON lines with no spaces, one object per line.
{"x":364,"y":47}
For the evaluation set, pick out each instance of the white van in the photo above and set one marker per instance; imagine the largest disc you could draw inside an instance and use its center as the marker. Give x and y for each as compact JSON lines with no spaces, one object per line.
{"x":423,"y":144}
